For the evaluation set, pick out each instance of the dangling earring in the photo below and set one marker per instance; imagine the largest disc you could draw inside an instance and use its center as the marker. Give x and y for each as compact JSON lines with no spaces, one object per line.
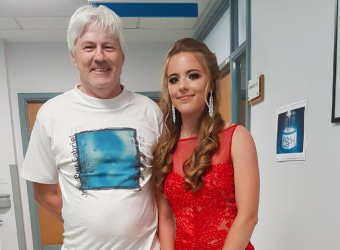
{"x":211,"y":104}
{"x":173,"y":113}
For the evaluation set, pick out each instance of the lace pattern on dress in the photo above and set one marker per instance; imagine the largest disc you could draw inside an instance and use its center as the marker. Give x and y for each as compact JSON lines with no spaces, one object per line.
{"x":203,"y":218}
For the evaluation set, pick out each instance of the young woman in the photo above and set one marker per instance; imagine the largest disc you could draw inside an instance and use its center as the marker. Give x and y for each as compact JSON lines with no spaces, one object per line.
{"x":206,"y":169}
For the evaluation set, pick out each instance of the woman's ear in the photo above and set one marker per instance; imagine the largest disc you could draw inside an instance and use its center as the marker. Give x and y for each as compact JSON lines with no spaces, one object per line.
{"x":212,"y":86}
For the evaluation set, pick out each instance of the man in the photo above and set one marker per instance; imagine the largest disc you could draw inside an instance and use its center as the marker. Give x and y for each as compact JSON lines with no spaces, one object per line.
{"x":96,"y":141}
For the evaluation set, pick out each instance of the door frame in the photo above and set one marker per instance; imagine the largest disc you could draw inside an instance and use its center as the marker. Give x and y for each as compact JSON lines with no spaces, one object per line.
{"x":237,"y":51}
{"x":24,"y":99}
{"x":225,"y":70}
{"x":235,"y":57}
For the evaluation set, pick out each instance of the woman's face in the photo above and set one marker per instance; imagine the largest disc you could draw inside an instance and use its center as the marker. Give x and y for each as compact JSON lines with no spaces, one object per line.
{"x":187,"y":83}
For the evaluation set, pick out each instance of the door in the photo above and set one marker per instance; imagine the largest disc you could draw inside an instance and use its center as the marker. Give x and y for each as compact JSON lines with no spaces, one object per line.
{"x":225,"y":97}
{"x":51,"y":228}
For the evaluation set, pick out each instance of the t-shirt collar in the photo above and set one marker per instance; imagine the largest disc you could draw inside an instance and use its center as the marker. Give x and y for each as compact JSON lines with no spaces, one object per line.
{"x":111,"y":103}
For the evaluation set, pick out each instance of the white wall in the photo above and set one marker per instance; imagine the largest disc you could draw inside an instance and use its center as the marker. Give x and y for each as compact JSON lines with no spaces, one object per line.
{"x":35,"y":68}
{"x":218,"y":39}
{"x":8,"y":231}
{"x":242,"y":21}
{"x":292,"y":45}
{"x":144,"y":65}
{"x":46,"y":67}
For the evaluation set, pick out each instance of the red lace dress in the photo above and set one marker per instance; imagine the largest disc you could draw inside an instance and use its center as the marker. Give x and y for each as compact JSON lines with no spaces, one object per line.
{"x":203,"y":219}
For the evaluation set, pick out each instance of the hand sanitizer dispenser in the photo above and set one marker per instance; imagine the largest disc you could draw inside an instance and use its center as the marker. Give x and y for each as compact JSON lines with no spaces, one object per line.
{"x":5,"y":201}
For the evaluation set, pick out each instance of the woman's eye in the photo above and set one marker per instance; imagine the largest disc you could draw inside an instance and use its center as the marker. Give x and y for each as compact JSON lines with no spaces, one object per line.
{"x":194,"y":76}
{"x":173,"y":80}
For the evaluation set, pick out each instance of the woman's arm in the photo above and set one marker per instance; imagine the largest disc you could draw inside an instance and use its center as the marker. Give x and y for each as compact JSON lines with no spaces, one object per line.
{"x":247,"y":189}
{"x":166,"y":223}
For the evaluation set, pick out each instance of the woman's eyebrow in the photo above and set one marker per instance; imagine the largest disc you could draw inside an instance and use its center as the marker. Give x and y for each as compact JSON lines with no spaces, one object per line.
{"x":192,"y":70}
{"x":174,"y":74}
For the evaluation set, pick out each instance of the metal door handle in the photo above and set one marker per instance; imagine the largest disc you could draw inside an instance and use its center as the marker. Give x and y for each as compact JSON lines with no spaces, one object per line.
{"x":5,"y":201}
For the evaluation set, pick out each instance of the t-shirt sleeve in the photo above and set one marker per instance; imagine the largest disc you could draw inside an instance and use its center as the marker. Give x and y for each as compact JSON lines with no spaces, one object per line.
{"x":159,"y":120}
{"x":39,"y":164}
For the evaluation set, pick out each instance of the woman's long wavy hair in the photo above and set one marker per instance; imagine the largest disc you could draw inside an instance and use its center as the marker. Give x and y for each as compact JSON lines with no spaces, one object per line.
{"x":208,"y":127}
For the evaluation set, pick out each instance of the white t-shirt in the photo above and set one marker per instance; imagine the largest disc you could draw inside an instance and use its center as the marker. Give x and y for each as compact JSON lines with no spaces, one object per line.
{"x":100,"y":152}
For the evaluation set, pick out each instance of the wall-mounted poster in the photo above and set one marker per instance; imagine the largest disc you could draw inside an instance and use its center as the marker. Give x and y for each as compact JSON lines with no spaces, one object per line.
{"x":291,"y":132}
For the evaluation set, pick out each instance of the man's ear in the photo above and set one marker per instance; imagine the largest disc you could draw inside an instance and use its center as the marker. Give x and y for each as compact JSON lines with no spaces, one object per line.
{"x":123,"y":58}
{"x":73,"y":59}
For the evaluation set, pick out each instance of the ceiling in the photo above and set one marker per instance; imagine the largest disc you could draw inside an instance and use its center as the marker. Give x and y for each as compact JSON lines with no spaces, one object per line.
{"x":47,"y":21}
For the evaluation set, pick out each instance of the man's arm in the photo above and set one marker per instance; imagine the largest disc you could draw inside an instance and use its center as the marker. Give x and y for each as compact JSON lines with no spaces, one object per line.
{"x":47,"y":195}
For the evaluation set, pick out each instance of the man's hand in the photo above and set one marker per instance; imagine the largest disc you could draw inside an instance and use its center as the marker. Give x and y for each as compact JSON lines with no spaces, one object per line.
{"x":47,"y":195}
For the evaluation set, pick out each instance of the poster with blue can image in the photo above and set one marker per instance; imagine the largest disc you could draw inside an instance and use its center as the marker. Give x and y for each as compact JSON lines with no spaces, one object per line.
{"x":291,"y":132}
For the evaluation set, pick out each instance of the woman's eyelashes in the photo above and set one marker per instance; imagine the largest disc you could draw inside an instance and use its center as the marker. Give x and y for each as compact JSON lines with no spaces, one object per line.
{"x":173,"y":80}
{"x":192,"y":76}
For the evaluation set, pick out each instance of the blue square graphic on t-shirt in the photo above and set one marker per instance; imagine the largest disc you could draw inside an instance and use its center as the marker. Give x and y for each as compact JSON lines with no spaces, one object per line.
{"x":108,"y":159}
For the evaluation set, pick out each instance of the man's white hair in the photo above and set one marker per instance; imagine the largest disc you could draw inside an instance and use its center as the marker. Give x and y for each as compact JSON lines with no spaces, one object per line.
{"x":90,"y":14}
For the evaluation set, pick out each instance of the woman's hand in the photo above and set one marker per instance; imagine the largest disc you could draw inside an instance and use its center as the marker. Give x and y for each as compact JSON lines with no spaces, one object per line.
{"x":166,"y":223}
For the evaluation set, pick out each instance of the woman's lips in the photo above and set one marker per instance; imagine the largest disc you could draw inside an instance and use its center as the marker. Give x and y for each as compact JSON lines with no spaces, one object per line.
{"x":185,"y":97}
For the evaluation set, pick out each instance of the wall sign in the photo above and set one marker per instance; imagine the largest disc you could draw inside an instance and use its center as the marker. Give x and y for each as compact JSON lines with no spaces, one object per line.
{"x":256,"y":90}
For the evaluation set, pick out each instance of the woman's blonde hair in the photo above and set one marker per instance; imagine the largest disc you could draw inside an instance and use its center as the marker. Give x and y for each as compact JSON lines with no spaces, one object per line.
{"x":208,"y":127}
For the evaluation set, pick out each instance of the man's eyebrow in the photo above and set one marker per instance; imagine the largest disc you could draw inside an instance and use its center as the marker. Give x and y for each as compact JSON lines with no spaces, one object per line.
{"x":105,"y":42}
{"x":86,"y":41}
{"x":110,"y":42}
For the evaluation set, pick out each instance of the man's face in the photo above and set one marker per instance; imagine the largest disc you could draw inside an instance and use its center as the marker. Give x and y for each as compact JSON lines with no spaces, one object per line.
{"x":99,"y":59}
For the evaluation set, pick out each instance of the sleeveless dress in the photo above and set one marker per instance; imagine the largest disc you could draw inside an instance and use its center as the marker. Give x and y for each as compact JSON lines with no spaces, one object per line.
{"x":203,"y":218}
